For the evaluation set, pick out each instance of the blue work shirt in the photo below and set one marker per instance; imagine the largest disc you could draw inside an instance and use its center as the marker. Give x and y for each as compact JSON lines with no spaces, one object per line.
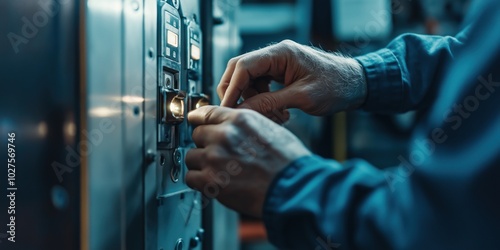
{"x":446,"y":192}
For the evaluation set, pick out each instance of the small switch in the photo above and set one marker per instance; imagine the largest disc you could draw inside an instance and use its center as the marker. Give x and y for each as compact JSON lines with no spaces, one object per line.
{"x":171,"y":106}
{"x":196,"y":101}
{"x":194,"y":242}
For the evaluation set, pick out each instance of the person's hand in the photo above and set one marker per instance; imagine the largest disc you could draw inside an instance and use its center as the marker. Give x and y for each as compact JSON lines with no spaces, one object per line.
{"x":316,"y":82}
{"x":239,"y":153}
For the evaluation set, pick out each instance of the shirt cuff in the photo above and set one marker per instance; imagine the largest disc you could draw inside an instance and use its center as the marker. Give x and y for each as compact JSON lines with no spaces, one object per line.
{"x":279,"y":190}
{"x":384,"y":81}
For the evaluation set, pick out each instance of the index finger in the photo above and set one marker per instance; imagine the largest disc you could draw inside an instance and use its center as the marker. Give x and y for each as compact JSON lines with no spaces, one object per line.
{"x":209,"y":115}
{"x":251,"y":66}
{"x":226,"y":77}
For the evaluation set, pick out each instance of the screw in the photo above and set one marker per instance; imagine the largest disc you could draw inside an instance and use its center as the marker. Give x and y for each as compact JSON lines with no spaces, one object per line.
{"x":194,"y":242}
{"x":162,"y":160}
{"x":177,"y":157}
{"x":151,"y":53}
{"x":137,"y":110}
{"x":150,"y":156}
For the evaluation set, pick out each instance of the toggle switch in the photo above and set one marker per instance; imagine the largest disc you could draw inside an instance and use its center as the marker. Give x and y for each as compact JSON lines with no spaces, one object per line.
{"x":171,"y":106}
{"x":196,"y":101}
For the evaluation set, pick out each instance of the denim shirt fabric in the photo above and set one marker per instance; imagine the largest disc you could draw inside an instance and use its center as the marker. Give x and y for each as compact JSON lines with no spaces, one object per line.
{"x":446,"y":192}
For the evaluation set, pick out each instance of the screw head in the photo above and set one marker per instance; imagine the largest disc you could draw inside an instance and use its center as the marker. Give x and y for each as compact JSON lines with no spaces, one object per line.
{"x":136,"y":110}
{"x":150,"y":156}
{"x":194,"y":242}
{"x":151,"y":53}
{"x":162,"y":160}
{"x":177,"y":157}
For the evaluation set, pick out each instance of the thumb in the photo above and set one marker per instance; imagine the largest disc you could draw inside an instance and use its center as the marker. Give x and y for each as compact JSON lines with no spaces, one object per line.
{"x":270,"y":103}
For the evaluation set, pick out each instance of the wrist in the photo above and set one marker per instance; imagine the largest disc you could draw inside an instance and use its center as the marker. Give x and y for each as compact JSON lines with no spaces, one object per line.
{"x":359,"y":84}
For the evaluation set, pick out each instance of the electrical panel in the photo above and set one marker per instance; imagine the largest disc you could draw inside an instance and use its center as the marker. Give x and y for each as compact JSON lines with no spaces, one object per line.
{"x":179,"y":91}
{"x":101,"y":144}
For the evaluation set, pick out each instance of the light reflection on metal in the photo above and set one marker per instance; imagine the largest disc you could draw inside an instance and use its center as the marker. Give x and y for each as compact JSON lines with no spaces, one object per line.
{"x":107,"y":6}
{"x":104,"y":112}
{"x":177,"y":107}
{"x":201,"y":103}
{"x":132,"y":99}
{"x":198,"y":100}
{"x":172,"y":106}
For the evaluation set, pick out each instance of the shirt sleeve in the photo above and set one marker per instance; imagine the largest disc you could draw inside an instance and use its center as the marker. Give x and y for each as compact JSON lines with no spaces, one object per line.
{"x":443,"y":194}
{"x":320,"y":204}
{"x":405,"y":75}
{"x":314,"y":203}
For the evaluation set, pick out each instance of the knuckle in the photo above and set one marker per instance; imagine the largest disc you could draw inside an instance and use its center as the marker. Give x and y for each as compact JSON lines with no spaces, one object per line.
{"x":198,"y":135}
{"x":196,"y":132}
{"x":206,"y":178}
{"x":208,"y":115}
{"x":221,"y":89}
{"x":212,"y":156}
{"x":286,"y":48}
{"x":232,"y":62}
{"x":226,"y":136}
{"x":288,"y":43}
{"x":241,"y":117}
{"x":192,"y":181}
{"x":222,"y":136}
{"x":243,"y":62}
{"x":188,"y":156}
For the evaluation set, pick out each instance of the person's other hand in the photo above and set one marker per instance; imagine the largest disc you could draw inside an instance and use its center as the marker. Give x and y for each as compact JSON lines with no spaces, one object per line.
{"x":316,"y":82}
{"x":239,"y":153}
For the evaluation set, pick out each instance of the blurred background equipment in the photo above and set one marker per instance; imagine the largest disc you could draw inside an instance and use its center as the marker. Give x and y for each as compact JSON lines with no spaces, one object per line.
{"x":357,"y":20}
